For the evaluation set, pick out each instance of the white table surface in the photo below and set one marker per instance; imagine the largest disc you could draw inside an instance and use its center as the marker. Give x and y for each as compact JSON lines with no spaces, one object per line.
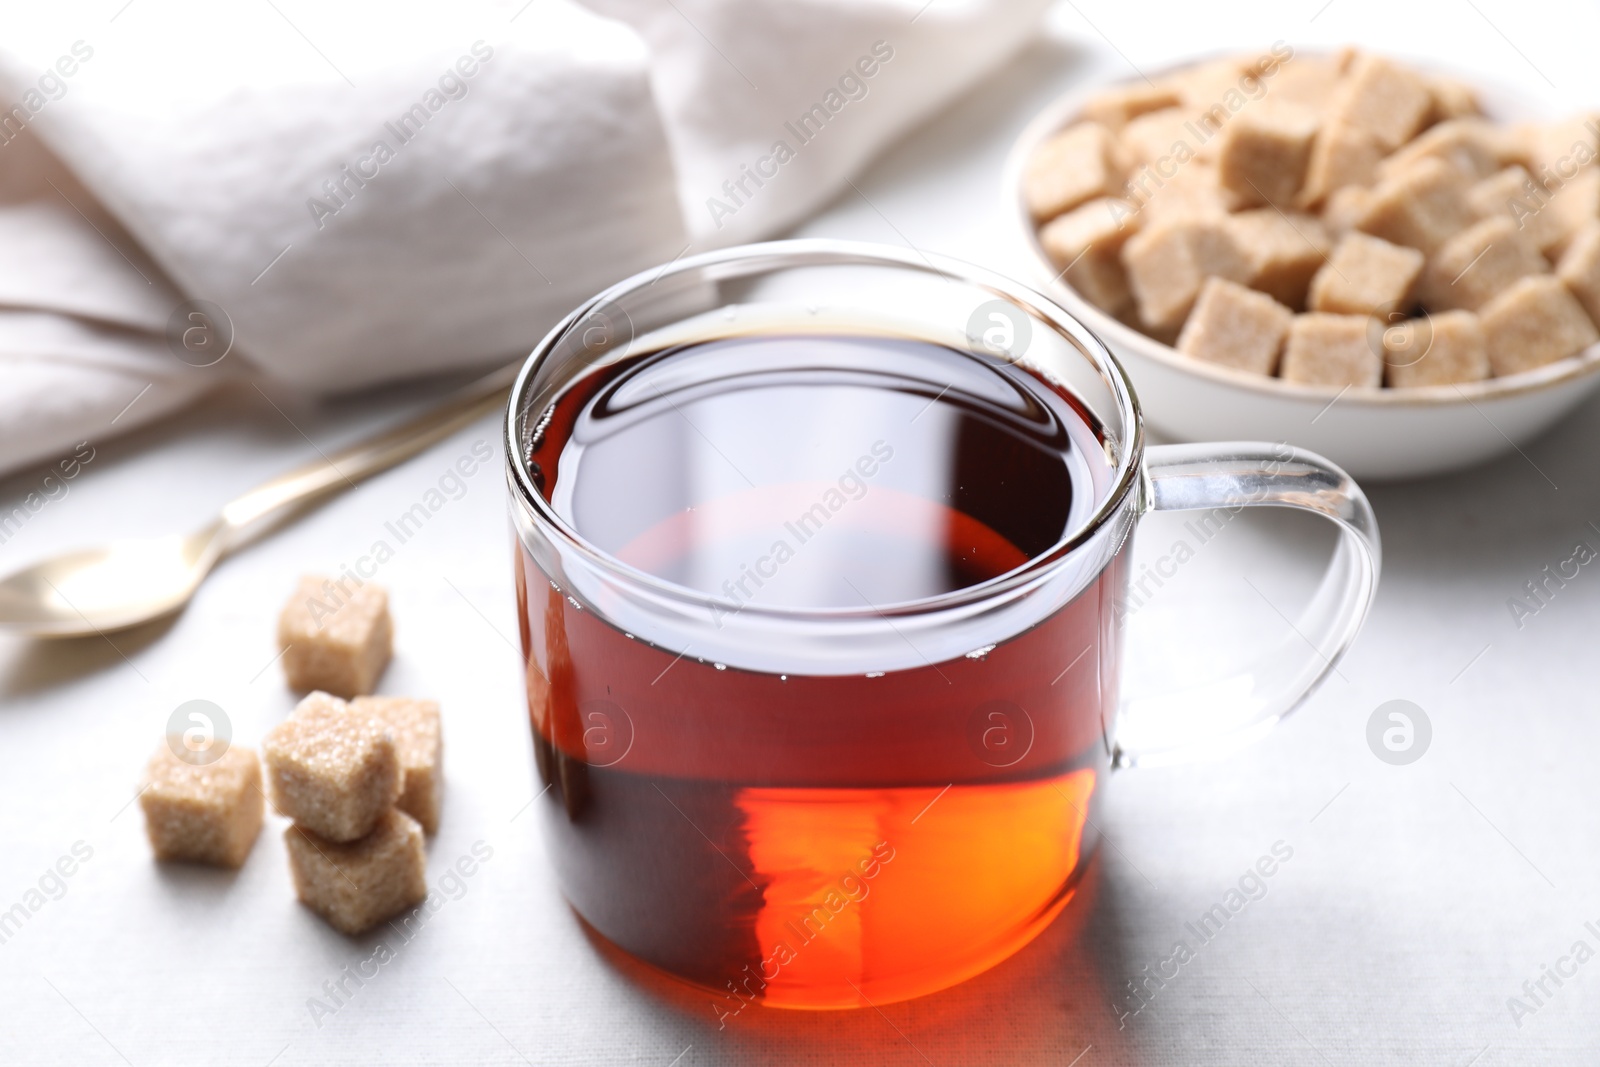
{"x":1418,"y":899}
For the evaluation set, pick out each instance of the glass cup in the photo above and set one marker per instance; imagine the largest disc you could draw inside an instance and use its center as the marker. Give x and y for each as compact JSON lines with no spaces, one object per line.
{"x":724,"y":798}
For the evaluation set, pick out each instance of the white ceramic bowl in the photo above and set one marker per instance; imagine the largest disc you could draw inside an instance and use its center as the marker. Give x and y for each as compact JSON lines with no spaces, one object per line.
{"x":1374,"y":434}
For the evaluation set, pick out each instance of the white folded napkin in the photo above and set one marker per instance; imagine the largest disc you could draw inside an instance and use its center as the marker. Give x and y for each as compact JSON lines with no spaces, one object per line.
{"x":338,"y":195}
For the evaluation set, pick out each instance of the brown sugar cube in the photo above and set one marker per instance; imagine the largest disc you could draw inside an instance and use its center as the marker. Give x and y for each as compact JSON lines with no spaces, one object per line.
{"x":1085,"y":242}
{"x":1191,"y":192}
{"x":1452,"y":99}
{"x":1575,"y":140}
{"x":1508,"y":192}
{"x":1344,"y":208}
{"x":1473,"y":146}
{"x":1213,"y":91}
{"x":1285,"y":249}
{"x":1332,"y":350}
{"x":1536,"y":321}
{"x":1571,"y":207}
{"x":334,"y":638}
{"x":1422,"y":206}
{"x":1554,"y":152}
{"x":1473,"y":266}
{"x":1208,"y":127}
{"x":1309,"y":81}
{"x":1366,"y":276}
{"x":1161,"y":136}
{"x":1525,"y":139}
{"x":1547,"y":219}
{"x":1169,"y":261}
{"x":1211,"y":122}
{"x":1444,"y":349}
{"x":1263,"y":153}
{"x":414,"y":729}
{"x":1071,"y":167}
{"x":357,"y":884}
{"x":1115,"y":108}
{"x":1235,"y":327}
{"x":1208,"y":83}
{"x":202,"y":812}
{"x":1341,"y":155}
{"x":1204,"y":84}
{"x":1383,"y":98}
{"x":331,"y":769}
{"x":1579,"y":269}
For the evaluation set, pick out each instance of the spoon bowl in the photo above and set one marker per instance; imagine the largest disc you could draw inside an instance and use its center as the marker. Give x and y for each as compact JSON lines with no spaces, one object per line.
{"x":111,"y":587}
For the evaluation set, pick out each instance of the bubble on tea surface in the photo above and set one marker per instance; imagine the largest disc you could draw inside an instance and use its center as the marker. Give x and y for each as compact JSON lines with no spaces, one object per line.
{"x":1399,"y":732}
{"x":199,"y":732}
{"x":999,"y":330}
{"x":607,"y":732}
{"x":1000,"y":733}
{"x":199,"y":333}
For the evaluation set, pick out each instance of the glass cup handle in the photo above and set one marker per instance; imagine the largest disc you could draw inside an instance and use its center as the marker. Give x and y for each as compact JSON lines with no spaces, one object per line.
{"x":1220,"y":715}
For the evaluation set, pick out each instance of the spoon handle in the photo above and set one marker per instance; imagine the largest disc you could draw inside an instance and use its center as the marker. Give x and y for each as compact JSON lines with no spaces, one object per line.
{"x":342,"y":469}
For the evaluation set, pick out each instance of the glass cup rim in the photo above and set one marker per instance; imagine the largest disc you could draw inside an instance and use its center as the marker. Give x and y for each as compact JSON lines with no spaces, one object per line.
{"x":823,"y":252}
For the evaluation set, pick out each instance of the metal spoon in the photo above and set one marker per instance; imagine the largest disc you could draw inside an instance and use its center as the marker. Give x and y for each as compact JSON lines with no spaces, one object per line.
{"x":126,"y":583}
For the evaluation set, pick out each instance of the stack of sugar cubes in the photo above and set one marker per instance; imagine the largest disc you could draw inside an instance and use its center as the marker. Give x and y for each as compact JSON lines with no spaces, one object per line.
{"x":360,"y":777}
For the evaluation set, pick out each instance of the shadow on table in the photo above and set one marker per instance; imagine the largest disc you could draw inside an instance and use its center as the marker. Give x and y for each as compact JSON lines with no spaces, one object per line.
{"x":196,"y":888}
{"x":1047,"y":1004}
{"x":29,"y":666}
{"x":1501,"y":522}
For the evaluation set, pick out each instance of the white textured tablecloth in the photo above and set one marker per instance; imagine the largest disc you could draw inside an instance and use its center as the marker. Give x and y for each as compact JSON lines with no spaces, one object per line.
{"x":1417,"y":901}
